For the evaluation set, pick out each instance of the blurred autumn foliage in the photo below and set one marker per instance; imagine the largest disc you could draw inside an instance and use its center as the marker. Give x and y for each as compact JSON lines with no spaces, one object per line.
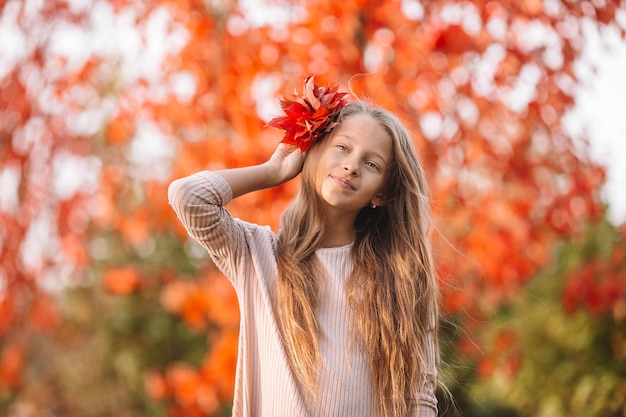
{"x":106,"y":308}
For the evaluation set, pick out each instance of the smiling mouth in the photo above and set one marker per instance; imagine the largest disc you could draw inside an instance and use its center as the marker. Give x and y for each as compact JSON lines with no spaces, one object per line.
{"x":343,"y":183}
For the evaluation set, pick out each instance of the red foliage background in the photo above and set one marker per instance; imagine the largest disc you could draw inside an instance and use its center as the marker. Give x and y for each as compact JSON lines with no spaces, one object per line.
{"x":89,"y":141}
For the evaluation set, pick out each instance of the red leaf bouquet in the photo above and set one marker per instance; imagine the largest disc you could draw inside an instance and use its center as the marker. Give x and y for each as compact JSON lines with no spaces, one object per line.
{"x":311,"y":115}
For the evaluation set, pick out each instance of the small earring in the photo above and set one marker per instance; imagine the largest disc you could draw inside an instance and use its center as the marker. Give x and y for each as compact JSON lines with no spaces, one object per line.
{"x":373,"y":206}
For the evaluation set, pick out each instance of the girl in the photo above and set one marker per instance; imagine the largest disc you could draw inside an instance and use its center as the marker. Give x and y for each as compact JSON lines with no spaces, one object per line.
{"x":338,"y":310}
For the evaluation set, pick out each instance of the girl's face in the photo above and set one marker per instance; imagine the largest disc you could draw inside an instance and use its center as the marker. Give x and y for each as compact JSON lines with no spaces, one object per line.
{"x":353,"y":164}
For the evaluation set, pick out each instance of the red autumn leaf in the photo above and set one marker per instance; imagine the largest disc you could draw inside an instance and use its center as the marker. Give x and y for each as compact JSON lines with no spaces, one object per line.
{"x":175,"y":293}
{"x":485,"y":367}
{"x":453,"y":39}
{"x":156,"y":386}
{"x":136,"y":228}
{"x":221,"y":363}
{"x":195,"y":309}
{"x":184,"y":381}
{"x":6,"y":314}
{"x":119,"y":131}
{"x":223,"y":308}
{"x":207,"y":399}
{"x":75,"y":249}
{"x":43,"y":314}
{"x":11,"y":362}
{"x":121,"y":281}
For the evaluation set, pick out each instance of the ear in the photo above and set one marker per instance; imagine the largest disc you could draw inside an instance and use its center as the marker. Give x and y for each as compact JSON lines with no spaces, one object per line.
{"x":378,"y":201}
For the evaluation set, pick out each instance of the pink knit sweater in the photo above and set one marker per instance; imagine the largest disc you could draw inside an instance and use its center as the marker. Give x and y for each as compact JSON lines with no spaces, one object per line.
{"x":265,"y":384}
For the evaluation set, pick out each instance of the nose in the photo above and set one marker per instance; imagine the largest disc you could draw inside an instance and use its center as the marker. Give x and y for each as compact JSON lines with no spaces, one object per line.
{"x":350,"y":165}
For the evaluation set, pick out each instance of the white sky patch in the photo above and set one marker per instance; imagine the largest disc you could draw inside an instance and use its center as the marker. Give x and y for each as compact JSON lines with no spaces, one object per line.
{"x":78,"y":6}
{"x":3,"y":283}
{"x":467,"y":110}
{"x":9,"y":183}
{"x":88,"y":122}
{"x":599,"y":111}
{"x":151,"y":151}
{"x":259,"y":13}
{"x":264,"y":90}
{"x":497,"y":28}
{"x":379,"y":50}
{"x":431,"y":125}
{"x":26,"y":137}
{"x":552,"y":7}
{"x":12,"y":39}
{"x":524,"y":90}
{"x":464,"y":14}
{"x":535,"y":35}
{"x":183,"y":84}
{"x":39,"y":241}
{"x":144,"y":48}
{"x":486,"y":66}
{"x":74,"y":173}
{"x":70,"y":42}
{"x":412,"y":10}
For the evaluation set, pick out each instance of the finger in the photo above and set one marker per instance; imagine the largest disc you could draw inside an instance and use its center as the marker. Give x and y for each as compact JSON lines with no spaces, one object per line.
{"x":287,"y":148}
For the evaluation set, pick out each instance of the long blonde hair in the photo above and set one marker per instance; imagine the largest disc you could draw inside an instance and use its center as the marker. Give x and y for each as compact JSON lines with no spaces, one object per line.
{"x":392,"y":289}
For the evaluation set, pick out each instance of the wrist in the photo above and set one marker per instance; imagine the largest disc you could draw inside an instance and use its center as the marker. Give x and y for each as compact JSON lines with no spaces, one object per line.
{"x":273,"y":173}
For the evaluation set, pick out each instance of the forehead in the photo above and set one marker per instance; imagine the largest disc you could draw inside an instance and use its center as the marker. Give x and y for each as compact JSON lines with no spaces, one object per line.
{"x":367,"y":131}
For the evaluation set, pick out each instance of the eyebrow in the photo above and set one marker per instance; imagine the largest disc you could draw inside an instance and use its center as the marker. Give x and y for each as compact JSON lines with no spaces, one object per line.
{"x":372,"y":152}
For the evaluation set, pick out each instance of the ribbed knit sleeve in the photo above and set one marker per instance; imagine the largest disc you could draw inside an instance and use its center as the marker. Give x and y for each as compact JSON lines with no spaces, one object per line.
{"x":199,"y":201}
{"x":427,"y":392}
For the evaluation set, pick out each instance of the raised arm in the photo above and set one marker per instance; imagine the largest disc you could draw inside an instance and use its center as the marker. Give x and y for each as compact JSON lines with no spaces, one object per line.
{"x":199,"y":200}
{"x":285,"y":164}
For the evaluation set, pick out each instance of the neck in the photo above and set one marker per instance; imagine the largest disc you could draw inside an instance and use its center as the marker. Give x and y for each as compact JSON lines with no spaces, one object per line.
{"x":341,"y":231}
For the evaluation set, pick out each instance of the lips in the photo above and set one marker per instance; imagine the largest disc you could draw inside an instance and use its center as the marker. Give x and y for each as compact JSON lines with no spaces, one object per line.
{"x":344,"y":183}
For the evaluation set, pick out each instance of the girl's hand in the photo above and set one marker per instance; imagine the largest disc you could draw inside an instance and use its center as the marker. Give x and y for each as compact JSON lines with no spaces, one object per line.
{"x":286,"y":162}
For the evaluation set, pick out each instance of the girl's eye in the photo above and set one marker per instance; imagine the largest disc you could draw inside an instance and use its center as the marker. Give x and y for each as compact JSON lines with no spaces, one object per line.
{"x":371,"y":164}
{"x":342,"y":147}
